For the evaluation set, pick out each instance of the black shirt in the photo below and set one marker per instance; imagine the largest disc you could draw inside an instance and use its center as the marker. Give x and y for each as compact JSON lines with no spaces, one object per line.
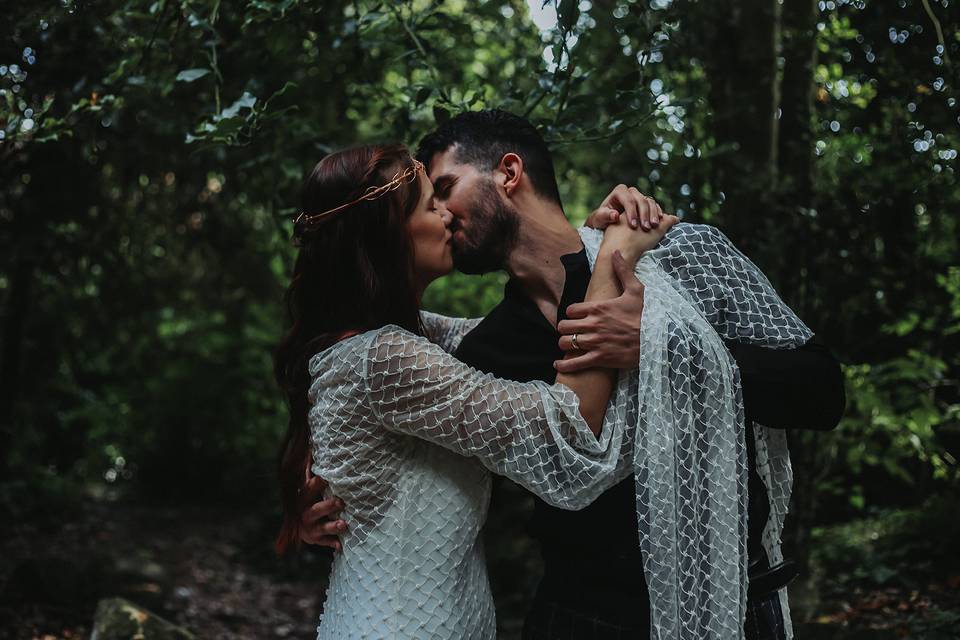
{"x":592,"y":560}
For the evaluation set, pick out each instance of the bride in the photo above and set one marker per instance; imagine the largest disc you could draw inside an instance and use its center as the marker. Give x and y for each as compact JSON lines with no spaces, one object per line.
{"x":404,"y":433}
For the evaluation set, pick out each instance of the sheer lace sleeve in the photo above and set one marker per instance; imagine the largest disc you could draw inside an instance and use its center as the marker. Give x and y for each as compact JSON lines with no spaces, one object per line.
{"x":445,"y":331}
{"x":531,"y":432}
{"x":690,"y":461}
{"x":733,"y":293}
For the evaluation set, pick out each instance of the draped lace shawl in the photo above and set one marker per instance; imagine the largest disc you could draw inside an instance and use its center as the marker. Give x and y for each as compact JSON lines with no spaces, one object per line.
{"x":680,"y":420}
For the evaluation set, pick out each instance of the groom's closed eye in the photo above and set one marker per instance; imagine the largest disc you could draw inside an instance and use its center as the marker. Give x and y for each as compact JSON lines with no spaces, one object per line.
{"x":442,"y":186}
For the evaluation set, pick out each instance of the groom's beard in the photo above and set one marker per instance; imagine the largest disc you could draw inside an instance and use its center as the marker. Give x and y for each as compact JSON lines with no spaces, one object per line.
{"x":492,"y":236}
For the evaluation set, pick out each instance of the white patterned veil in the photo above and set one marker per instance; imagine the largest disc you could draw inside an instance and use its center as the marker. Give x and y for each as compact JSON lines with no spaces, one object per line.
{"x":679,"y":418}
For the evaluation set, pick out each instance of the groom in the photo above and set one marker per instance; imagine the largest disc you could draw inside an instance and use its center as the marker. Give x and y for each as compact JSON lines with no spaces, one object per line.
{"x":493,"y":173}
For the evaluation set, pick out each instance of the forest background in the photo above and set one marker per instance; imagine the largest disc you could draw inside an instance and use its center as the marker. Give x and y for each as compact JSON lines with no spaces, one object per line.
{"x":151,"y":154}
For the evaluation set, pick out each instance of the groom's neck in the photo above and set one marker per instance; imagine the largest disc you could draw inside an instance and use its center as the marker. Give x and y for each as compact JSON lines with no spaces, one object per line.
{"x":544,"y":236}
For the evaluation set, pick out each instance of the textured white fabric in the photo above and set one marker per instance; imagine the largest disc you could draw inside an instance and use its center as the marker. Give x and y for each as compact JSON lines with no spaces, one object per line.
{"x":412,"y":565}
{"x":690,"y":456}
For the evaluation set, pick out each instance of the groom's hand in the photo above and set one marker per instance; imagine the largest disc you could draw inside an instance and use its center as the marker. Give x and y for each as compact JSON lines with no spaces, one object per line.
{"x":640,"y":211}
{"x":608,"y":331}
{"x":319,"y":521}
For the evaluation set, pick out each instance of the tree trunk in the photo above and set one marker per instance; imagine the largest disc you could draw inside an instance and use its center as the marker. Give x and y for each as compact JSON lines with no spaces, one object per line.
{"x":796,"y":120}
{"x":796,"y":199}
{"x":740,"y":56}
{"x":11,"y":348}
{"x":796,"y":170}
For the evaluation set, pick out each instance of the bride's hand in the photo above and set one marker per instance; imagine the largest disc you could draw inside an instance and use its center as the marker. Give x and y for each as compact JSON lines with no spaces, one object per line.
{"x":633,"y":243}
{"x":626,"y":202}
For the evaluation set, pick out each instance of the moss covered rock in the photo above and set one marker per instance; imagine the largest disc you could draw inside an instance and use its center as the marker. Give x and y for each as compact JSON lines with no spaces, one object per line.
{"x":119,"y":619}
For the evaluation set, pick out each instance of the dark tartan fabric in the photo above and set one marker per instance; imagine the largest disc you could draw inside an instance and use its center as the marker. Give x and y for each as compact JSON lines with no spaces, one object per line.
{"x":549,"y":621}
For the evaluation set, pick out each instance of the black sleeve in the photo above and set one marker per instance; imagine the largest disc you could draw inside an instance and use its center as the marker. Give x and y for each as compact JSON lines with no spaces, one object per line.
{"x":790,"y":388}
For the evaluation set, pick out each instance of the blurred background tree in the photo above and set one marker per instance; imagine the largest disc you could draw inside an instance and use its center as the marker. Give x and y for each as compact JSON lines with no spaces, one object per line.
{"x":151,"y":154}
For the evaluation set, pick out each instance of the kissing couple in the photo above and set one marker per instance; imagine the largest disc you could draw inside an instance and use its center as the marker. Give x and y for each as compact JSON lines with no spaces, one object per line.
{"x":637,"y":378}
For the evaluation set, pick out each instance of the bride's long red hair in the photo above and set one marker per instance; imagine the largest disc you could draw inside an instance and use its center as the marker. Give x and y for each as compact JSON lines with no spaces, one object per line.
{"x":353,"y":273}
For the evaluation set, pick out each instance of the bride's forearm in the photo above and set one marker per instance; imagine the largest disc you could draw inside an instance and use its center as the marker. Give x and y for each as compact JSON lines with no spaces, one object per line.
{"x":594,"y":386}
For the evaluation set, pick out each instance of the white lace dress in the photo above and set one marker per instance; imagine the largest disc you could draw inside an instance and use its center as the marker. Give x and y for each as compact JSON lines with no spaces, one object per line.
{"x":412,"y":564}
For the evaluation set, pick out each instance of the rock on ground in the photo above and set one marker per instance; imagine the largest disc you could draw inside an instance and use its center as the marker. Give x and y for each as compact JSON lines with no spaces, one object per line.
{"x":119,"y":619}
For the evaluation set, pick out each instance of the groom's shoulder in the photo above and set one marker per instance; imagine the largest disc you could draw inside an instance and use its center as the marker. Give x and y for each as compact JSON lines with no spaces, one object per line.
{"x":688,"y":236}
{"x":494,"y":322}
{"x":496,"y":333}
{"x":694,"y":230}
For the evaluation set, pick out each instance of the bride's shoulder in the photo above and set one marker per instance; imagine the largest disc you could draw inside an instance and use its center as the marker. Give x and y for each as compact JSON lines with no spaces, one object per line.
{"x":688,"y":241}
{"x":689,"y":231}
{"x":344,"y":352}
{"x":376,"y":344}
{"x":391,"y":340}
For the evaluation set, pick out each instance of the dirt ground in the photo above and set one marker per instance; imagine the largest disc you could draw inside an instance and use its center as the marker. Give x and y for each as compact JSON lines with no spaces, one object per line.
{"x":213,"y":572}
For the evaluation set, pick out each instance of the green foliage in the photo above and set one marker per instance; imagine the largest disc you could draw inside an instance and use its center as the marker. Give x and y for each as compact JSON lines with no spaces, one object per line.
{"x":884,"y":549}
{"x":145,"y":209}
{"x":892,"y":560}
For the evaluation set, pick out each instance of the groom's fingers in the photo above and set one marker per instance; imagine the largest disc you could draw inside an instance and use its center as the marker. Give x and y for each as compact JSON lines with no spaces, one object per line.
{"x":327,"y":528}
{"x":577,"y":311}
{"x":585,"y":342}
{"x":311,"y":491}
{"x":570,"y":365}
{"x":569,"y":327}
{"x":321,"y":510}
{"x":625,"y":275}
{"x":320,"y":530}
{"x":323,"y":541}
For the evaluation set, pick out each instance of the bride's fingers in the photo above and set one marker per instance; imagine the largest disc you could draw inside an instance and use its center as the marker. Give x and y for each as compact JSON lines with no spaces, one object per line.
{"x":643,"y":205}
{"x":631,"y":208}
{"x":657,"y":213}
{"x":602,"y":218}
{"x":607,"y":217}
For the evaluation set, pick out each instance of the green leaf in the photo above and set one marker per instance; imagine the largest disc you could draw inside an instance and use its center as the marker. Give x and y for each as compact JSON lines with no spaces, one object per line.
{"x":422,"y":95}
{"x":246,"y":101}
{"x":189,"y":75}
{"x":567,"y":13}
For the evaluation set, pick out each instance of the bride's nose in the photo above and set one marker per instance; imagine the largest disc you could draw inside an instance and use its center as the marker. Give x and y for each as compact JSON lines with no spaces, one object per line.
{"x":446,"y":216}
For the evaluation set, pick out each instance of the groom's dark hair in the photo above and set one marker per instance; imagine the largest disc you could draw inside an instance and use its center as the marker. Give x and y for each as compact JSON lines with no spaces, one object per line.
{"x":483,"y":137}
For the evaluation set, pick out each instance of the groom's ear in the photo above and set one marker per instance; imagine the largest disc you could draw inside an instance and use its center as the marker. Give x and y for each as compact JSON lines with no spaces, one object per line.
{"x":511,"y":167}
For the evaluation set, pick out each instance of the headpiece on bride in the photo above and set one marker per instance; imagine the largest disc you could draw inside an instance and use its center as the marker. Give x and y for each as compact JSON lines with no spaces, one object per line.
{"x":307,"y":221}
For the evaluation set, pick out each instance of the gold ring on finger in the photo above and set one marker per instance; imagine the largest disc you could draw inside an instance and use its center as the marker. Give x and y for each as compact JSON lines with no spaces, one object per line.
{"x":574,"y":341}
